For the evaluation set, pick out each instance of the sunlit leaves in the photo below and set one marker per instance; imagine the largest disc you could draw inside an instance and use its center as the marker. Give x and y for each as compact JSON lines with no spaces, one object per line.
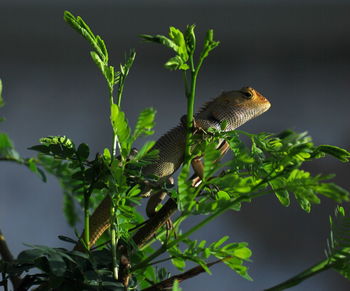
{"x":121,"y":128}
{"x":145,"y":123}
{"x":124,"y":71}
{"x":211,"y":164}
{"x":184,"y":45}
{"x":79,"y":25}
{"x":176,"y":42}
{"x":106,"y":70}
{"x":338,"y":243}
{"x":186,"y":193}
{"x":100,"y":53}
{"x":278,"y":187}
{"x":176,"y":286}
{"x":209,"y":44}
{"x":83,"y":151}
{"x":232,"y":254}
{"x":6,"y":146}
{"x":190,"y":39}
{"x":64,"y":269}
{"x":339,"y":153}
{"x":264,"y":163}
{"x":59,"y":146}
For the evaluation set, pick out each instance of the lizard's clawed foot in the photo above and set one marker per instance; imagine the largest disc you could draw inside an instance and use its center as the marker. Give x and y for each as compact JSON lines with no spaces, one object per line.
{"x":169,"y":224}
{"x":195,"y":127}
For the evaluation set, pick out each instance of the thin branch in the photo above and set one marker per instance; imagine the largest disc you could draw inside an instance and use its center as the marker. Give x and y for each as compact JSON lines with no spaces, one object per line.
{"x":7,"y":257}
{"x":309,"y":272}
{"x":168,"y":283}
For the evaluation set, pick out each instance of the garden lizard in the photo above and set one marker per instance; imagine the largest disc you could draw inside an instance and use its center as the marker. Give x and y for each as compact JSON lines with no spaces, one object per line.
{"x":234,"y":107}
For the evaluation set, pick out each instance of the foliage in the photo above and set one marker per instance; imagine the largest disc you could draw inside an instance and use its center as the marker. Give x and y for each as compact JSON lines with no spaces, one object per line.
{"x":265,"y":163}
{"x":338,"y":249}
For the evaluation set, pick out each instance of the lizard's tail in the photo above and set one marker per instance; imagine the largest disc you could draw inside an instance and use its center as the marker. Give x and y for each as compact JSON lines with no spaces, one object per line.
{"x":99,"y":223}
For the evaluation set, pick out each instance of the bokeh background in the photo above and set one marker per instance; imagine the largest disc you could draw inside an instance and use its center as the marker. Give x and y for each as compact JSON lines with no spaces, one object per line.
{"x":297,"y":53}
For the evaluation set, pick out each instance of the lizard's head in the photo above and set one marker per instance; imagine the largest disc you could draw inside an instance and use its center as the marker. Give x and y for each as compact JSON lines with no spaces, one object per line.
{"x":248,"y":98}
{"x":237,"y":107}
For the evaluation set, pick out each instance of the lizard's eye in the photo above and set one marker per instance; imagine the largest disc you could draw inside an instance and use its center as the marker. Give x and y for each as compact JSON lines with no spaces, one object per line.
{"x":247,"y":94}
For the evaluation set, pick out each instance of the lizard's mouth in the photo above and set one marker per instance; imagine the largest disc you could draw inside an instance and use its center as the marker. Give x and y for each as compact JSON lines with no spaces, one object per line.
{"x":262,"y":100}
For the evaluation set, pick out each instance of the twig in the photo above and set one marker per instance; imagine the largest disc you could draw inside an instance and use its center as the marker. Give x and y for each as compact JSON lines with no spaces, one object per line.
{"x":313,"y":270}
{"x":168,"y":283}
{"x":7,"y":257}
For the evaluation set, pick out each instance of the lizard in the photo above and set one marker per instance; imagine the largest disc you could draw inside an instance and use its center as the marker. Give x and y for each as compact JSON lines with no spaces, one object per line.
{"x":234,"y":107}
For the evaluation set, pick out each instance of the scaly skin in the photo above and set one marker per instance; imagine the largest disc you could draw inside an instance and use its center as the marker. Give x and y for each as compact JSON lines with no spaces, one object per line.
{"x":235,"y":107}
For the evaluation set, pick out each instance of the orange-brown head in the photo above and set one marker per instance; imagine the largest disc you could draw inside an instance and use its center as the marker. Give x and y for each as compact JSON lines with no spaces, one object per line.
{"x":236,"y":107}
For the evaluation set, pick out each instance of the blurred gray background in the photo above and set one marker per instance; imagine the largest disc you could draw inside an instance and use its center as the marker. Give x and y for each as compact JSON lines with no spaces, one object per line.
{"x":297,"y":53}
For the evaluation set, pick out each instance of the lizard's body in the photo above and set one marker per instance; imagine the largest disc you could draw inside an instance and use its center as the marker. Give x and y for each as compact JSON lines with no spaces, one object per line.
{"x":235,"y":107}
{"x":227,"y":107}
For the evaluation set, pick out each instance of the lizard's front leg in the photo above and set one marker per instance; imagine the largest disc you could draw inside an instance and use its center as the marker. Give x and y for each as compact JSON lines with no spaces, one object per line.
{"x":198,"y":166}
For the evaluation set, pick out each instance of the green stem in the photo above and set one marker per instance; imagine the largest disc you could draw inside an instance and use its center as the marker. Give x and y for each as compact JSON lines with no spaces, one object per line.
{"x":86,"y":222}
{"x":315,"y":269}
{"x":114,"y":242}
{"x":87,"y":194}
{"x":190,"y":111}
{"x":190,"y":104}
{"x":113,"y":219}
{"x":115,"y":138}
{"x":120,"y":90}
{"x":161,"y":261}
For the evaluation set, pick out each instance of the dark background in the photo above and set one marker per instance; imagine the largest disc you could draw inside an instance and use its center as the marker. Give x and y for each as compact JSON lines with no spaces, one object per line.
{"x":297,"y":53}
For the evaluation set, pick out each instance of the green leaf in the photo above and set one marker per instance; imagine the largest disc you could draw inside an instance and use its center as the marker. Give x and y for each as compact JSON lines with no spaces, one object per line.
{"x":211,"y":155}
{"x":176,"y":286}
{"x":83,"y":151}
{"x":303,"y":202}
{"x":176,"y":63}
{"x":144,"y":150}
{"x":83,"y":29}
{"x":177,"y":36}
{"x":337,"y":152}
{"x":282,"y":194}
{"x":129,"y":61}
{"x":33,"y":167}
{"x":222,"y":195}
{"x":186,"y":193}
{"x":67,"y":239}
{"x":145,"y":123}
{"x":121,"y":128}
{"x":338,"y":243}
{"x":190,"y":38}
{"x":160,"y":39}
{"x":179,"y":263}
{"x":333,"y":191}
{"x":58,"y":145}
{"x":106,"y":71}
{"x":243,"y":253}
{"x":237,"y":266}
{"x":209,"y":44}
{"x":177,"y":43}
{"x":57,"y":140}
{"x":69,"y":209}
{"x":107,"y":154}
{"x":40,"y":148}
{"x":218,"y":243}
{"x":5,"y":145}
